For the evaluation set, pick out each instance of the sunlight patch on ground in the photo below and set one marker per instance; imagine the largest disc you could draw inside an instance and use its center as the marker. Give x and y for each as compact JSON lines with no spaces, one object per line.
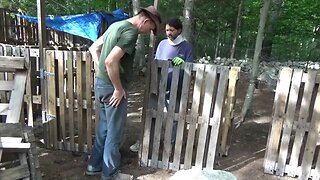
{"x":262,"y":120}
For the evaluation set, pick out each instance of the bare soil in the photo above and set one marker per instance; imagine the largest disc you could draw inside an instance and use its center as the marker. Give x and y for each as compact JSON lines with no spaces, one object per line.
{"x":245,"y":158}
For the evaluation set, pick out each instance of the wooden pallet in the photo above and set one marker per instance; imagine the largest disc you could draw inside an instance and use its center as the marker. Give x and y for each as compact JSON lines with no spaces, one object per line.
{"x":18,"y":143}
{"x":292,"y":147}
{"x":207,"y":104}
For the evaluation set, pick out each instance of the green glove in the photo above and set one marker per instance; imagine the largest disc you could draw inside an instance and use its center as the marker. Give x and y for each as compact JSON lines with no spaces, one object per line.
{"x":177,"y":61}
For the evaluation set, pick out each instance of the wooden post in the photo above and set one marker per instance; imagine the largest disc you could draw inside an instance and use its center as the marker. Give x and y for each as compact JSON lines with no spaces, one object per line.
{"x":148,"y":79}
{"x":42,"y":44}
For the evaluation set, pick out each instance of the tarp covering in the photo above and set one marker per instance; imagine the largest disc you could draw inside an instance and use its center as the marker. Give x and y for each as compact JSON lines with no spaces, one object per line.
{"x":84,"y":25}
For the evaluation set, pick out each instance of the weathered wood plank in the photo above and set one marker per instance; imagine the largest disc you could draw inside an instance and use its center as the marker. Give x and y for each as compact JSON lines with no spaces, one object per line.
{"x":199,"y":68}
{"x":160,"y":115}
{"x":288,"y":122}
{"x":9,"y":63}
{"x":79,"y":92}
{"x":210,"y":82}
{"x":302,"y":121}
{"x":62,"y":97}
{"x":16,"y":98}
{"x":88,"y":96}
{"x":18,"y":172}
{"x":6,"y":85}
{"x":69,"y":58}
{"x":279,"y":105}
{"x":182,"y":118}
{"x":229,"y":110}
{"x":170,"y":118}
{"x":312,"y":139}
{"x":221,"y":92}
{"x":52,"y":103}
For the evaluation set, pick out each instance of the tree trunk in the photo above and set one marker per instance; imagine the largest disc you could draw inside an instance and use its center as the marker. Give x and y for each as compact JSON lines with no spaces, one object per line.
{"x":139,"y":59}
{"x":267,"y":41}
{"x":236,"y":32}
{"x":188,"y":20}
{"x":255,"y":66}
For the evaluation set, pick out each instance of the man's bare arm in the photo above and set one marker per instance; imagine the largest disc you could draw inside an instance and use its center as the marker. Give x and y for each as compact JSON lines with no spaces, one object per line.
{"x":113,"y":69}
{"x":95,"y":50}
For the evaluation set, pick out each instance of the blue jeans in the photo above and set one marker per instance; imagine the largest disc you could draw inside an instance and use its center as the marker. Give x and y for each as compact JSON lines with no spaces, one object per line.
{"x":105,"y":152}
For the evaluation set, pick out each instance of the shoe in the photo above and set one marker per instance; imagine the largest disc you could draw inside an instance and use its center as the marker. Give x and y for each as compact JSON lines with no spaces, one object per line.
{"x":135,"y":147}
{"x":91,"y":171}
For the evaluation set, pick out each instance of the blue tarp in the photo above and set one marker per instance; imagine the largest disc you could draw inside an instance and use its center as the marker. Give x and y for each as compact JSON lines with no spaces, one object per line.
{"x":84,"y":25}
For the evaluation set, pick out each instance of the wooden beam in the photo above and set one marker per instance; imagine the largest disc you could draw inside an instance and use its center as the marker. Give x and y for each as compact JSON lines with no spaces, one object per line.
{"x":8,"y":63}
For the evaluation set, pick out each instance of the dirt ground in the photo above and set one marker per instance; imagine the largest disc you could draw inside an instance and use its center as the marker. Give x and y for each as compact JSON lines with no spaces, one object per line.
{"x":245,"y":159}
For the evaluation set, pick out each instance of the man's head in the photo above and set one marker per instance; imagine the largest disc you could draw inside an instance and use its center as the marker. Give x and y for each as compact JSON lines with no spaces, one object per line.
{"x":173,"y":28}
{"x":151,"y":20}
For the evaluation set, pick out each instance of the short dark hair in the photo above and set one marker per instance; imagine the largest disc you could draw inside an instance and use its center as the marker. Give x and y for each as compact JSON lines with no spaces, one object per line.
{"x":174,"y":22}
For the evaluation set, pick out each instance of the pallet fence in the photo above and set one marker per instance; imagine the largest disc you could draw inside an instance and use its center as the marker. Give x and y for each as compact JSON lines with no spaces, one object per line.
{"x":207,"y":99}
{"x":293,"y":141}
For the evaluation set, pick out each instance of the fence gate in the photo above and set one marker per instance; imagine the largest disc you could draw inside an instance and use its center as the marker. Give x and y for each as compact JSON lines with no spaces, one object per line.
{"x":293,"y":142}
{"x":208,"y":97}
{"x":70,"y":100}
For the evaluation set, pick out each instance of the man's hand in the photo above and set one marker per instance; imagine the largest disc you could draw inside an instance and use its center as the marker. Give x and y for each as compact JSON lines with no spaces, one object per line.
{"x":117,"y":97}
{"x":177,"y":61}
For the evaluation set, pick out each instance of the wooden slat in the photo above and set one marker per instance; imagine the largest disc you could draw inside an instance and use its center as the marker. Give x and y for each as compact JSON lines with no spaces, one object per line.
{"x":199,"y":68}
{"x":4,"y":108}
{"x":79,"y":93}
{"x":88,"y":66}
{"x":182,"y":117}
{"x":70,"y":94}
{"x":15,"y":146}
{"x":223,"y":79}
{"x":302,"y":121}
{"x":160,"y":115}
{"x":312,"y":139}
{"x":29,"y":90}
{"x":16,"y":98}
{"x":18,"y":172}
{"x":170,"y":118}
{"x":210,"y":82}
{"x":8,"y":63}
{"x":51,"y":80}
{"x":278,"y":117}
{"x":229,"y":110}
{"x":146,"y":139}
{"x":62,"y":97}
{"x":6,"y":85}
{"x":288,"y":122}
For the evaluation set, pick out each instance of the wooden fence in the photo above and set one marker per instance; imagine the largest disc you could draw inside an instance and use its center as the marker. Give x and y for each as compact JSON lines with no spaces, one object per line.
{"x":18,"y":31}
{"x":70,"y":100}
{"x":293,"y":147}
{"x":206,"y":109}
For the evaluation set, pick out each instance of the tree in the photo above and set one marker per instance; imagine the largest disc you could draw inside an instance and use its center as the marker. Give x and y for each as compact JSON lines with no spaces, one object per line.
{"x":255,"y":66}
{"x":236,"y":32}
{"x":188,"y":20}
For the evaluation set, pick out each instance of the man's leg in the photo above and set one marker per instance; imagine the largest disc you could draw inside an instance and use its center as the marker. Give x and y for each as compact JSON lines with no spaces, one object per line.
{"x":116,"y":119}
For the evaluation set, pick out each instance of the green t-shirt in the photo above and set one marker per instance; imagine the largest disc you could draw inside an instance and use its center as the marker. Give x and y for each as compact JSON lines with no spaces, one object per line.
{"x":124,"y":35}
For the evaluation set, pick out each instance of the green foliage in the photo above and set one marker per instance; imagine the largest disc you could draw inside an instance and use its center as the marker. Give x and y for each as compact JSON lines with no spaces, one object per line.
{"x":296,"y":34}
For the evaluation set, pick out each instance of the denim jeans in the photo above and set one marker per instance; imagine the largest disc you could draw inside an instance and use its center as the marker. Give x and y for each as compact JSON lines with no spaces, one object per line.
{"x":110,"y":131}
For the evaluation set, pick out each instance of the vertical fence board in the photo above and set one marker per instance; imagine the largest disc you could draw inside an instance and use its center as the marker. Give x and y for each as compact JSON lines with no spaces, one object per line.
{"x":288,"y":122}
{"x":88,"y":95}
{"x":199,"y":68}
{"x":52,"y":119}
{"x":70,"y":94}
{"x":62,"y":97}
{"x":182,"y":116}
{"x":311,"y":143}
{"x":160,"y":116}
{"x":278,"y":117}
{"x":79,"y":92}
{"x":224,"y":74}
{"x":170,"y":118}
{"x":210,"y":82}
{"x":302,"y":121}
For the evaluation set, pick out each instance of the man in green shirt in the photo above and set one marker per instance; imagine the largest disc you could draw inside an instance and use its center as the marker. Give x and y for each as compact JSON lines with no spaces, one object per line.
{"x":114,"y":52}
